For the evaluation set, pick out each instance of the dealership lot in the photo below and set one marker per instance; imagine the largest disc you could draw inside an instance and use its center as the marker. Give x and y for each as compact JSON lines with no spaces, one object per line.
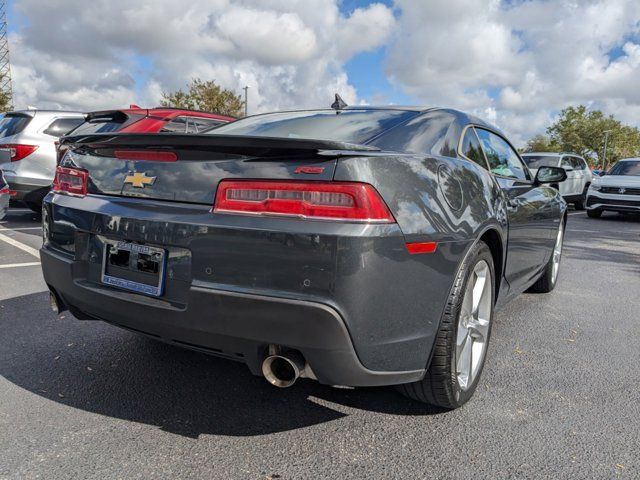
{"x":559,"y":396}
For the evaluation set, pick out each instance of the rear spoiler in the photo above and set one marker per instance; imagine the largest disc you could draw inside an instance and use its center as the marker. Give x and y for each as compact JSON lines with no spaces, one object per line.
{"x":233,"y":144}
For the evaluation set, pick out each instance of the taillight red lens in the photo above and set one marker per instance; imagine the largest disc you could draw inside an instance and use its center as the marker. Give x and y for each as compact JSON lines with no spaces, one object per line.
{"x":71,"y":181}
{"x":5,"y":191}
{"x":17,"y":151}
{"x":314,"y":200}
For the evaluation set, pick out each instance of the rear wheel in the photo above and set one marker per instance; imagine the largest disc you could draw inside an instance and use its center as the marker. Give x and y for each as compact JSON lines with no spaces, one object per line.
{"x":595,"y":213}
{"x":462,"y":339}
{"x":549,"y":277}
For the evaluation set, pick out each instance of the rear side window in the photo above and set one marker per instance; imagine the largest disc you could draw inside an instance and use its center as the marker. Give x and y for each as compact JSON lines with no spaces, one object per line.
{"x":578,"y":163}
{"x":62,"y":126}
{"x":13,"y":124}
{"x":177,"y":125}
{"x":502,"y":159}
{"x":188,"y":124}
{"x":198,"y":124}
{"x":471,"y":148}
{"x":566,"y":163}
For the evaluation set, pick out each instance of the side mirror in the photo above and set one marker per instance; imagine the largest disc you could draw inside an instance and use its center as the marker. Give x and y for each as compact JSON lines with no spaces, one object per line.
{"x":602,"y":173}
{"x":550,"y":175}
{"x":568,"y":169}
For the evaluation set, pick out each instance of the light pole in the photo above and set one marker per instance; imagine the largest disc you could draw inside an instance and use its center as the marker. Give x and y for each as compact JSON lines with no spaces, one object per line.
{"x":604,"y":155}
{"x":246,"y":89}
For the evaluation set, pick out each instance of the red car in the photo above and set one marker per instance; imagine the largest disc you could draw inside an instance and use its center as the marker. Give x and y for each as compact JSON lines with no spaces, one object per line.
{"x":146,"y":120}
{"x":153,"y":120}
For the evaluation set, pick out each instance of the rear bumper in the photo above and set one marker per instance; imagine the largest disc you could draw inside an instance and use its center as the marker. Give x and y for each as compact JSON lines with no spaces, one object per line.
{"x":225,"y":323}
{"x":348,"y":296}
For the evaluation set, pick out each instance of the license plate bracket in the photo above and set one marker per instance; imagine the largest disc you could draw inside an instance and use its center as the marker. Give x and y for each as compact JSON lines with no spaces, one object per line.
{"x":134,"y":267}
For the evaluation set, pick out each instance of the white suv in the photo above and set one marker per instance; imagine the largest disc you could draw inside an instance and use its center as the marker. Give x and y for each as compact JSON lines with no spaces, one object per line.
{"x":579,"y":176}
{"x":617,"y":191}
{"x":28,"y":152}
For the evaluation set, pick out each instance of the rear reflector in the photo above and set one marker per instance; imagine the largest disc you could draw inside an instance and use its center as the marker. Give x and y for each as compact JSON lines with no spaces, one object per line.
{"x":146,"y":155}
{"x":421,"y":247}
{"x":71,"y":181}
{"x":18,"y":152}
{"x":313,"y":200}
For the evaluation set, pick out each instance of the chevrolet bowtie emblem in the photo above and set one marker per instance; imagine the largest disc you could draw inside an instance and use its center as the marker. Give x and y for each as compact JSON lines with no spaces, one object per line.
{"x":139,"y":180}
{"x":622,"y":190}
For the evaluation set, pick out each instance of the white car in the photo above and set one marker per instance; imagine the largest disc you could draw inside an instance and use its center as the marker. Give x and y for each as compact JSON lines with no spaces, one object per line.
{"x":579,"y":176}
{"x":617,"y":191}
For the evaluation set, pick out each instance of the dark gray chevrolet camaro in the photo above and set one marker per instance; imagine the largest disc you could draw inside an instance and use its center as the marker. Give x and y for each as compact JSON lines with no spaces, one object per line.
{"x":359,"y":247}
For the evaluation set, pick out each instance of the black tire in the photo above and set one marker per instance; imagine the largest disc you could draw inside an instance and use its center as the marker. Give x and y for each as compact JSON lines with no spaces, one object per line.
{"x":440,"y":387}
{"x":595,"y":213}
{"x":579,"y":205}
{"x":546,"y":283}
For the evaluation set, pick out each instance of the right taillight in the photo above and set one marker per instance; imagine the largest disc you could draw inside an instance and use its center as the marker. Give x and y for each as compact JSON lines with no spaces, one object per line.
{"x":71,"y":181}
{"x":348,"y":201}
{"x":18,"y":151}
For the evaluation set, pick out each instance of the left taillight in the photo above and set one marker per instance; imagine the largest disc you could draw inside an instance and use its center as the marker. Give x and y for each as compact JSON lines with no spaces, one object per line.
{"x":70,"y":181}
{"x":5,"y":191}
{"x":347,"y":201}
{"x":18,"y":151}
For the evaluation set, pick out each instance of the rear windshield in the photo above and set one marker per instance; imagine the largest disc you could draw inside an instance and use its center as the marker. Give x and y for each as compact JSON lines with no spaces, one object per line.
{"x":13,"y":124}
{"x":98,"y":125}
{"x":626,"y":168}
{"x":351,"y":126}
{"x":537,"y":161}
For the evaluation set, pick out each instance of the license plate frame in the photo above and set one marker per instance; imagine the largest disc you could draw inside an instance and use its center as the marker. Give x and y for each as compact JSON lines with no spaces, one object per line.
{"x":135,"y":250}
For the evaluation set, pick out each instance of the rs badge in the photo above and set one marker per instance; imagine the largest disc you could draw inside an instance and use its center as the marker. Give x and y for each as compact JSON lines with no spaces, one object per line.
{"x":139,"y":180}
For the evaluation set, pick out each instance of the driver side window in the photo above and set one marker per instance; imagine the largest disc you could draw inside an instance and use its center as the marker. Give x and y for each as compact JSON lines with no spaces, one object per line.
{"x":503,"y":160}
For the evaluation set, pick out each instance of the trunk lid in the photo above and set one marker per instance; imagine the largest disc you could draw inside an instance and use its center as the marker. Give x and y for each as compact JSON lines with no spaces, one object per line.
{"x":188,"y":168}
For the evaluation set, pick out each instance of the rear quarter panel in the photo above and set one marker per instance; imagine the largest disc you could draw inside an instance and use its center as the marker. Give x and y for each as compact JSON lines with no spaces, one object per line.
{"x":447,"y":200}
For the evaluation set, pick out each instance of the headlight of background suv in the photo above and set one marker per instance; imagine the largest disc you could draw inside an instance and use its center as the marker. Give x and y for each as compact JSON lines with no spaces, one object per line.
{"x":594,"y":187}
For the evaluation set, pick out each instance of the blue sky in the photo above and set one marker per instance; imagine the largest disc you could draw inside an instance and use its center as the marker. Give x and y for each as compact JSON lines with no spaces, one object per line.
{"x":515,"y":63}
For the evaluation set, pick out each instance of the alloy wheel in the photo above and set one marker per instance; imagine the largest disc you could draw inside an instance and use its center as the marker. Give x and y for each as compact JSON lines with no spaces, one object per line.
{"x":473,"y":325}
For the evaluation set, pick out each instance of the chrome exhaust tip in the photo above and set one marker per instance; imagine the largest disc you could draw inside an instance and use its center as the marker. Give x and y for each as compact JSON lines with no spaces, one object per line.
{"x":283,"y":370}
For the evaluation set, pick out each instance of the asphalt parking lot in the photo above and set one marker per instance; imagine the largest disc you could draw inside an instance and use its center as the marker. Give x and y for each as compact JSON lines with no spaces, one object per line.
{"x":559,"y":397}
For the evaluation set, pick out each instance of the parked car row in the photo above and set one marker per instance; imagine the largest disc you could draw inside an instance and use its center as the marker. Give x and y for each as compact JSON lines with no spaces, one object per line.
{"x":29,"y":140}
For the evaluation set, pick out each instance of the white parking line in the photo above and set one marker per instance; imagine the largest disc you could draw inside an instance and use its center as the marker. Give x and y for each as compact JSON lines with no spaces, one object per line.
{"x":16,"y":265}
{"x":20,"y":245}
{"x":19,"y":229}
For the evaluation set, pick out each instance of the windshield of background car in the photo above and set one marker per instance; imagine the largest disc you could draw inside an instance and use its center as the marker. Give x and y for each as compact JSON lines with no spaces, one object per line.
{"x":13,"y":124}
{"x":537,"y":161}
{"x":626,"y":168}
{"x":97,"y":126}
{"x":351,"y":126}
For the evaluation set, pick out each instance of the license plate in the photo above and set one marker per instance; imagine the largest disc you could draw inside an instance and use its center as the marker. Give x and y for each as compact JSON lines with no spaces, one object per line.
{"x":134,"y":267}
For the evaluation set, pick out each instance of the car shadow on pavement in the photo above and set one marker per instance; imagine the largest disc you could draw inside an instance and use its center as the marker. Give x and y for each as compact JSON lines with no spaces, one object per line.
{"x":99,"y":368}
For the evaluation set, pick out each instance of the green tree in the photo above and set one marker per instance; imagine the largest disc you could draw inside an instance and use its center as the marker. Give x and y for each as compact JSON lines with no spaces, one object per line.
{"x":5,"y":99}
{"x":206,"y":96}
{"x":582,"y":131}
{"x":541,"y":143}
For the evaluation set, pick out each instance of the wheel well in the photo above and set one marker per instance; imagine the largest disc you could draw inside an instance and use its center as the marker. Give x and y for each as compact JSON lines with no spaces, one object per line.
{"x":494,"y":242}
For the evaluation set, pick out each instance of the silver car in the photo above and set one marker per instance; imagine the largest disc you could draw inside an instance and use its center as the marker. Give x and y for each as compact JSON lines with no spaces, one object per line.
{"x":28,"y":151}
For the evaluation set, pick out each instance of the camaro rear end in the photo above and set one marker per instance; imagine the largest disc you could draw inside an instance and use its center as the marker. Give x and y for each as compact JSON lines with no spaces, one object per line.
{"x":328,"y":259}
